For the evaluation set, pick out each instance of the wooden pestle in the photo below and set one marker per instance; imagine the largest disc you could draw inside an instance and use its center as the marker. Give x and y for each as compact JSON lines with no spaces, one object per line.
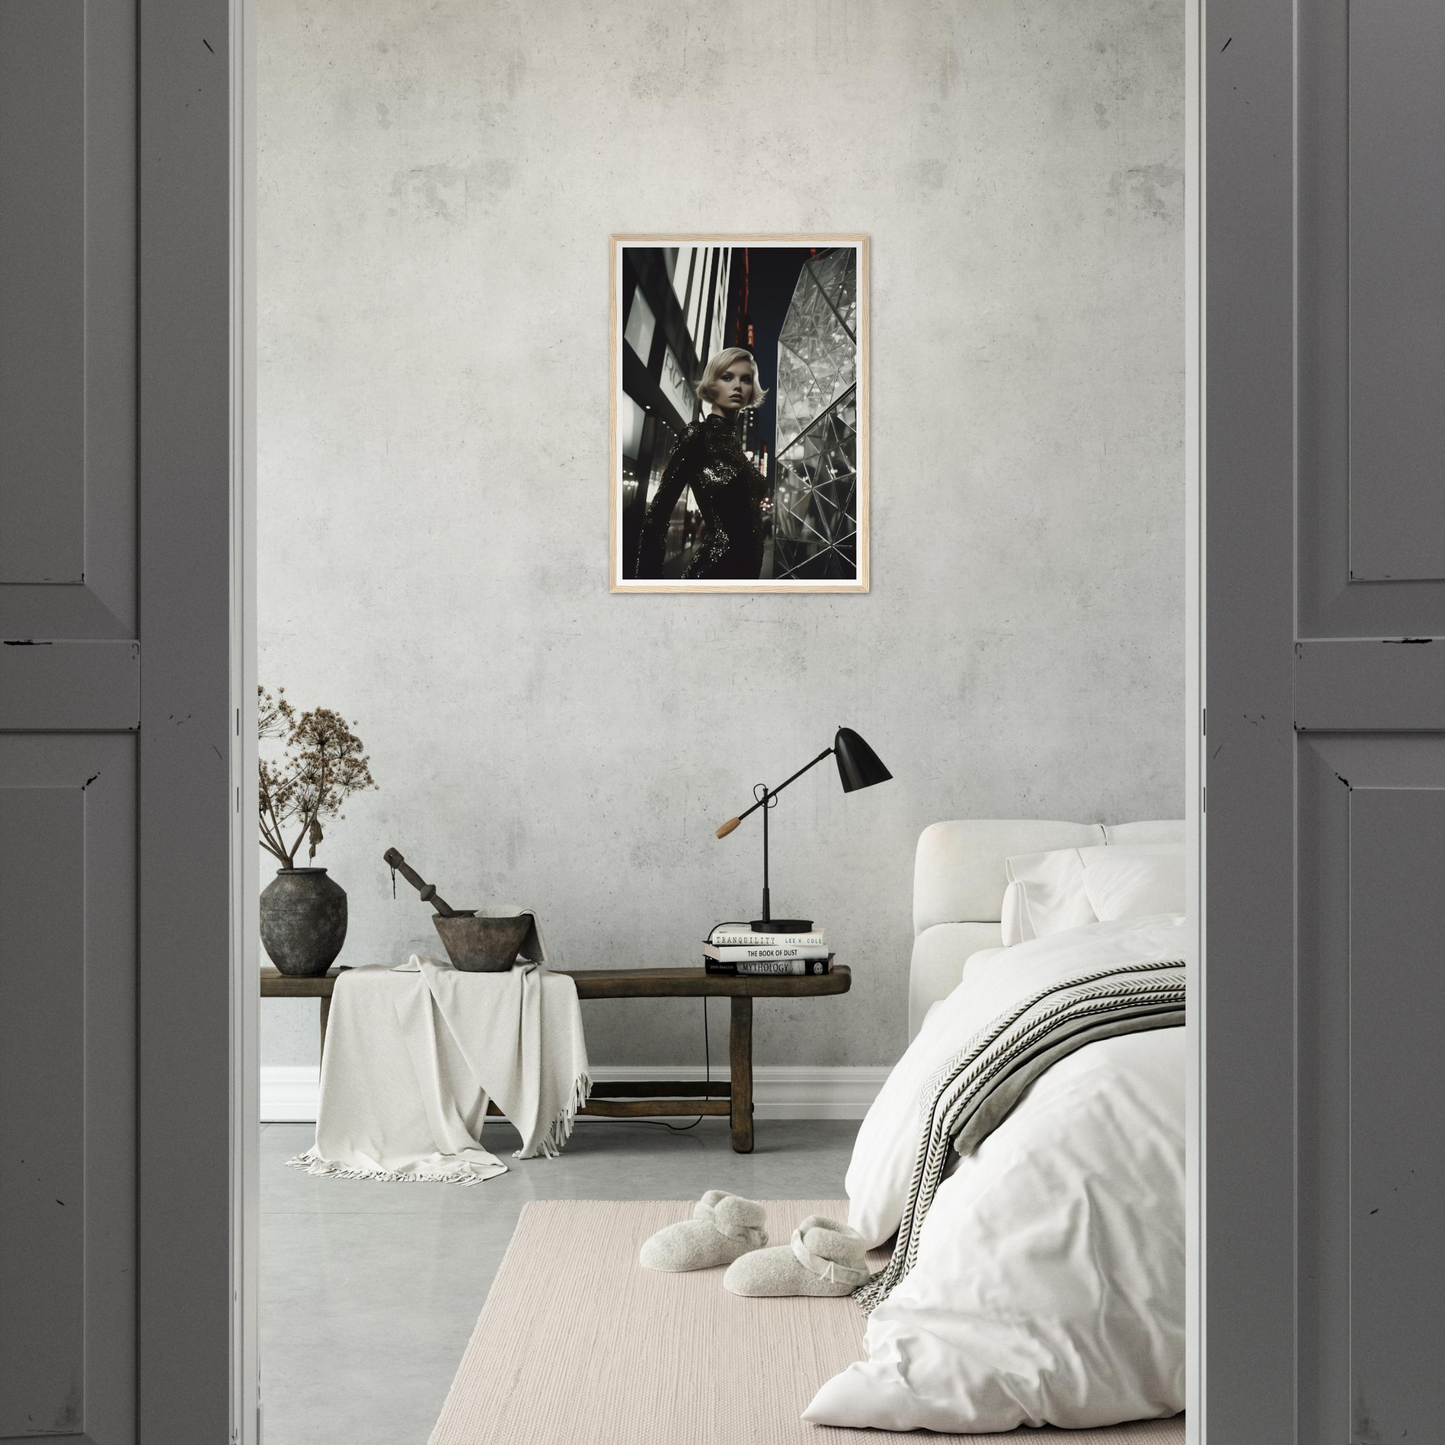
{"x":427,"y":890}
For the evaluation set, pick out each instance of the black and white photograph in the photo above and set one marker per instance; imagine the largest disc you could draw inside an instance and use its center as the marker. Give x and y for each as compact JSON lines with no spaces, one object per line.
{"x":739,"y":413}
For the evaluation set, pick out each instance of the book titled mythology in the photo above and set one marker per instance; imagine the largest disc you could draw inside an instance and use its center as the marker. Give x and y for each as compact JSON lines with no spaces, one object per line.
{"x":797,"y":967}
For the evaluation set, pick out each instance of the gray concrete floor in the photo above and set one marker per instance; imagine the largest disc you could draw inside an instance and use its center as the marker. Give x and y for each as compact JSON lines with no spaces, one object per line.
{"x":369,"y":1291}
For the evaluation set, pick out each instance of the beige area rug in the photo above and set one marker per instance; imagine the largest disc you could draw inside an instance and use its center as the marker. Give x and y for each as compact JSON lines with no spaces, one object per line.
{"x":579,"y":1345}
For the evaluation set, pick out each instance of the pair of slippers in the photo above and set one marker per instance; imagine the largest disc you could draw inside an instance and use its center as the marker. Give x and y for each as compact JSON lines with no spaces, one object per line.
{"x":824,"y":1257}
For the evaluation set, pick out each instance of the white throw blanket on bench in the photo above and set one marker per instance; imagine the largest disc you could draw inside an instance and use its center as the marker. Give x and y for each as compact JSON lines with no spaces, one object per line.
{"x":414,"y":1053}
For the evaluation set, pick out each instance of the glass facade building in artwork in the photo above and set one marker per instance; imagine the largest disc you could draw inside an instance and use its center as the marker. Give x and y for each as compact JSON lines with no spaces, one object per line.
{"x":815,"y":486}
{"x":674,"y":301}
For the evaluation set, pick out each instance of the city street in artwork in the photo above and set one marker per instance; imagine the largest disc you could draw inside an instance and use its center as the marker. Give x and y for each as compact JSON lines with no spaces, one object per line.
{"x":739,"y":442}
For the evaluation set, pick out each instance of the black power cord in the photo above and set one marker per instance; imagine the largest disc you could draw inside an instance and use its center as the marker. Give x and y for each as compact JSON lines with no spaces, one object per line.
{"x":707,"y":1078}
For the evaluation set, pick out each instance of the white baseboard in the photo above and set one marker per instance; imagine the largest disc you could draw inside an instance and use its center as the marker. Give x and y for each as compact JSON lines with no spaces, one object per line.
{"x":289,"y":1092}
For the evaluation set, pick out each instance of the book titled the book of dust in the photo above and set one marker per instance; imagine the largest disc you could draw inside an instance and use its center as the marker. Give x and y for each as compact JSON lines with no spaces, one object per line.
{"x":763,"y":952}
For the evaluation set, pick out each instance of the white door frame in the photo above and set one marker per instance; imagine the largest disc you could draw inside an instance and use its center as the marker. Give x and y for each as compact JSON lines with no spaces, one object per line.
{"x":1194,"y":715}
{"x":245,"y":1391}
{"x":245,"y":1106}
{"x":245,"y":922}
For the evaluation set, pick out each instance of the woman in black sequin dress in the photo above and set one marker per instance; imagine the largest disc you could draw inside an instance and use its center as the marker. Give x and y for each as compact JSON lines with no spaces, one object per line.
{"x":710,"y":459}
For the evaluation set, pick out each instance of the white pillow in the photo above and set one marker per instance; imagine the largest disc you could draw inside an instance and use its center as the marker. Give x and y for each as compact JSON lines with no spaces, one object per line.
{"x":1013,"y":919}
{"x":1133,"y":880}
{"x":1049,"y":894}
{"x":1069,"y":887}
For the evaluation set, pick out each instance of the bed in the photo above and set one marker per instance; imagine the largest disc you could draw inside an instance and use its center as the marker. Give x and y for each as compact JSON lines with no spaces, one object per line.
{"x":1038,"y":1263}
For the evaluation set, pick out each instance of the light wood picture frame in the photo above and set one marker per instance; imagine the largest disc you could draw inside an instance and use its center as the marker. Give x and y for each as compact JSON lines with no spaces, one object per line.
{"x":706,"y":495}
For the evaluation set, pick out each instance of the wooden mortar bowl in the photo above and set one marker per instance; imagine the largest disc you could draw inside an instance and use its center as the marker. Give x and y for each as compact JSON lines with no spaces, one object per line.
{"x":482,"y":945}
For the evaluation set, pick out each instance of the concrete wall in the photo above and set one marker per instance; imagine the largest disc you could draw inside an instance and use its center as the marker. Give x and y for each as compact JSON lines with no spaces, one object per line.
{"x":437,"y":185}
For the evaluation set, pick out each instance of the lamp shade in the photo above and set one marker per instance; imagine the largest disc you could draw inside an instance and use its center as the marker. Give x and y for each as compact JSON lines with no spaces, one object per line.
{"x":858,"y":765}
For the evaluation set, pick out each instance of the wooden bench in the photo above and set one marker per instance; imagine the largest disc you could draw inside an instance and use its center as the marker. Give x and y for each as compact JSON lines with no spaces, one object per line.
{"x":623,"y":1100}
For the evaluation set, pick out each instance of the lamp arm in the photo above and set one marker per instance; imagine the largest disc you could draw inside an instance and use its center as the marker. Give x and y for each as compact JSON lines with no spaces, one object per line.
{"x":771,"y":792}
{"x":826,"y":753}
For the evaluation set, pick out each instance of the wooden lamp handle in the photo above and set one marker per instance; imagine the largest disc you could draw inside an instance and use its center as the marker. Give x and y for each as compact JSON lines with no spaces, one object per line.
{"x":728,"y":827}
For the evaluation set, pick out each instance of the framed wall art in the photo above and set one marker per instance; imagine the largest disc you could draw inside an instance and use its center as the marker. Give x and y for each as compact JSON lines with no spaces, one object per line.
{"x":739,"y":415}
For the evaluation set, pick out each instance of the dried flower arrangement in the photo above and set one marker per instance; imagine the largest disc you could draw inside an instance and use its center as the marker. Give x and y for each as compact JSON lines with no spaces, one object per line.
{"x":322,"y":764}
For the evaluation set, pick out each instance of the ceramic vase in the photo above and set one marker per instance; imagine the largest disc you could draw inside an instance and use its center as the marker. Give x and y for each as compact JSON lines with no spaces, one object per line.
{"x":303,"y":921}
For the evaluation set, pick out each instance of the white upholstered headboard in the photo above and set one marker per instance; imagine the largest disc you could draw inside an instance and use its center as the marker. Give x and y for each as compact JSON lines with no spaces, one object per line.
{"x":958,"y":885}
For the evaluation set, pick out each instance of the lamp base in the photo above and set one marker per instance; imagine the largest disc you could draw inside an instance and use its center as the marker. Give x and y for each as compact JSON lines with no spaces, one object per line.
{"x":781,"y":925}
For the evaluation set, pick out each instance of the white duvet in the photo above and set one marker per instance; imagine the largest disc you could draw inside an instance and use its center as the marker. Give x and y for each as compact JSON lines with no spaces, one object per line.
{"x":1049,"y":1286}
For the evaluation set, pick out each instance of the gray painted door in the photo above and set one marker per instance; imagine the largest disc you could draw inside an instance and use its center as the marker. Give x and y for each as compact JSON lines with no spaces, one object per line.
{"x":1324,"y":1100}
{"x":70,"y":710}
{"x":118,"y":751}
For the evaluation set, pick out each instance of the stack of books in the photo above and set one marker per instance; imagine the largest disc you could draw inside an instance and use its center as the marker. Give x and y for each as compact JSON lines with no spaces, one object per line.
{"x":736,"y":948}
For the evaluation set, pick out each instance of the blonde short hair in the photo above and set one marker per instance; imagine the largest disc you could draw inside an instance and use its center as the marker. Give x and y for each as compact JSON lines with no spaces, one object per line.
{"x":719,"y":363}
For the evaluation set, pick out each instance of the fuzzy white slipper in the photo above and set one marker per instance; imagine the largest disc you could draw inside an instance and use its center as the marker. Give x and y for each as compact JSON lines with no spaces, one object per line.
{"x":722,"y":1228}
{"x":825,"y":1257}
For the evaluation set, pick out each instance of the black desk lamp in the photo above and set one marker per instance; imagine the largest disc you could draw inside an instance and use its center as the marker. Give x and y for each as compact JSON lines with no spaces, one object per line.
{"x":858,"y":767}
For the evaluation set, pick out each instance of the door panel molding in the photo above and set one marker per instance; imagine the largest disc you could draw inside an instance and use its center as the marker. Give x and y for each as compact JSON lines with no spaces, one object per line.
{"x":51,"y":613}
{"x":66,"y":686}
{"x":1369,"y":685}
{"x":67,"y":352}
{"x":1361,"y":890}
{"x":1396,"y":1111}
{"x":67,"y":1050}
{"x":42,"y":270}
{"x":1396,"y":113}
{"x":1336,"y":601}
{"x":42,"y":883}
